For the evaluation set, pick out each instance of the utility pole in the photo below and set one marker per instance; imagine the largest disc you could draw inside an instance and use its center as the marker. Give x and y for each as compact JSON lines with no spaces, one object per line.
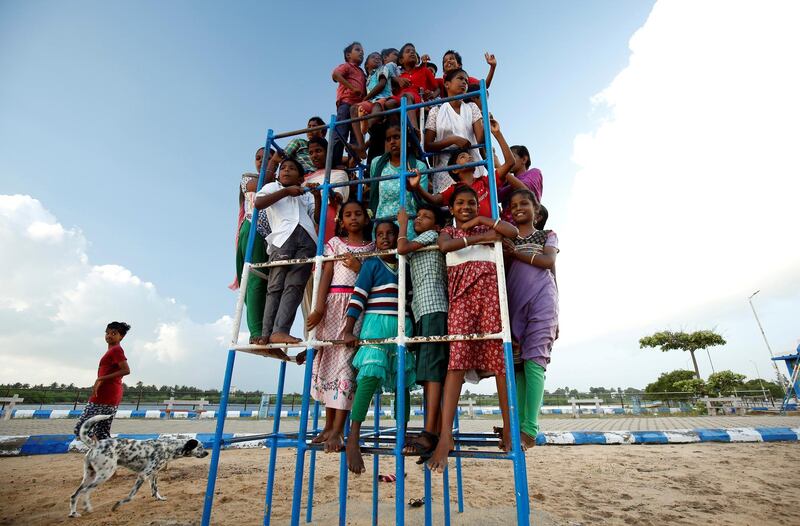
{"x":778,"y":374}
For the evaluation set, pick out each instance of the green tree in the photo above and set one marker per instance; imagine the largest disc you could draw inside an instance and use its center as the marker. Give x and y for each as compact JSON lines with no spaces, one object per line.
{"x":695,"y":386}
{"x":771,"y":387}
{"x":685,"y":341}
{"x":725,"y":381}
{"x":666,"y":382}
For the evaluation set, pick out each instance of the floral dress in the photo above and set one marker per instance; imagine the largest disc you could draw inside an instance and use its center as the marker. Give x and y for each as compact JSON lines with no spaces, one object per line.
{"x":333,"y":377}
{"x":474,"y":305}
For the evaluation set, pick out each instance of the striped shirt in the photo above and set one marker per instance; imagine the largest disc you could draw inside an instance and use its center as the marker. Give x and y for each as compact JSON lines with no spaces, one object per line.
{"x":375,"y":291}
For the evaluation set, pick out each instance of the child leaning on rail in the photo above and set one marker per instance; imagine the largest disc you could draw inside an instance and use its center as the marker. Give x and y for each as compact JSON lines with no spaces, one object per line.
{"x":292,"y":215}
{"x":533,"y":306}
{"x":429,"y":304}
{"x":474,"y":308}
{"x":375,"y":296}
{"x":467,"y":176}
{"x":333,"y":379}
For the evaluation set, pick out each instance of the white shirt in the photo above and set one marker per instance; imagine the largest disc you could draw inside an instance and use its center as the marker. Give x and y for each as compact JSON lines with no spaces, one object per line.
{"x":285,"y":214}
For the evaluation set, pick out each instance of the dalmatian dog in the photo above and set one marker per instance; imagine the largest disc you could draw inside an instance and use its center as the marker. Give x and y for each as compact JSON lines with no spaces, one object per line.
{"x":145,"y":457}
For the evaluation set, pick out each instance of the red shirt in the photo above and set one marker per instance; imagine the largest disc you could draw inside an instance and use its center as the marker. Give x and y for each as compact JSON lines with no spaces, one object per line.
{"x":420,"y":77}
{"x":110,"y":391}
{"x":481,"y":187}
{"x":355,"y":76}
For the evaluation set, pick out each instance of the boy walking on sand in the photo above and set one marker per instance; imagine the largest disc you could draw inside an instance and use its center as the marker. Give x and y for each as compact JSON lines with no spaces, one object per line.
{"x":107,"y":390}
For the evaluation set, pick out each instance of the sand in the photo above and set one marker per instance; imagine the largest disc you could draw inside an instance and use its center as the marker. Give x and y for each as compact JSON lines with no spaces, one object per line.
{"x":723,"y":484}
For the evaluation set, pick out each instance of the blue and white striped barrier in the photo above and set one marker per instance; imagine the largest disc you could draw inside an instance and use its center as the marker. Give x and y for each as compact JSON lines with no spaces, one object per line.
{"x":52,"y":444}
{"x":47,"y":414}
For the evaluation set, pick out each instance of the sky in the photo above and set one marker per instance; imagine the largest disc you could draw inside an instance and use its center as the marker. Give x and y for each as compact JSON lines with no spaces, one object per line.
{"x":666,"y":132}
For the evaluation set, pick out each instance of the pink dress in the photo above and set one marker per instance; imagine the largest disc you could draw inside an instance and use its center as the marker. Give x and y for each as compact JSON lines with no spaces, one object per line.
{"x":474,"y":305}
{"x":333,"y":379}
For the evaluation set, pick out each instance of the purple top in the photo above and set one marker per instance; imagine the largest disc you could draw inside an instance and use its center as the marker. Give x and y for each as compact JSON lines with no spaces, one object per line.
{"x":531,"y":178}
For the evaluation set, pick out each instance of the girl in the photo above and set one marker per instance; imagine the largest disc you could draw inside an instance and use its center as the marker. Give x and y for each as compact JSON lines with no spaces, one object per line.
{"x":384,"y":196}
{"x":375,"y":295}
{"x":318,"y":151}
{"x":467,"y":176}
{"x":333,"y":377}
{"x":455,"y":124}
{"x":256,"y":293}
{"x":415,"y":77}
{"x":378,"y":98}
{"x":533,"y":303}
{"x":474,"y":307}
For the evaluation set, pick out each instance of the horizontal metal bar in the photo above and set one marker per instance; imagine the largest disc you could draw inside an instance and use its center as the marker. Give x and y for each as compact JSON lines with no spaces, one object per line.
{"x":263,"y":349}
{"x":490,"y":455}
{"x":359,"y":255}
{"x":299,"y":132}
{"x":453,"y":167}
{"x":434,"y":102}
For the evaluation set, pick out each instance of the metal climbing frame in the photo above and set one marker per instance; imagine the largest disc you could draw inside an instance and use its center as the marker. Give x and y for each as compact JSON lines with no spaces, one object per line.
{"x":379,"y":437}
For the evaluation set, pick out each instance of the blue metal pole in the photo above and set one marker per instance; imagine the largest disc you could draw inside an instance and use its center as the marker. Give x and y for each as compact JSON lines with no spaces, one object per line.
{"x":221,"y":412}
{"x":446,"y":495}
{"x":520,"y":472}
{"x":427,"y":472}
{"x":273,"y":452}
{"x":311,"y":467}
{"x":360,"y":188}
{"x":400,"y":388}
{"x":376,"y":458}
{"x":459,"y":484}
{"x":301,"y":435}
{"x":301,"y":441}
{"x":343,"y":473}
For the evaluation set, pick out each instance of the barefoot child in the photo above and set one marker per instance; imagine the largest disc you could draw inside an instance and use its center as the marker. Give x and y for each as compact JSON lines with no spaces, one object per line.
{"x":533,"y":304}
{"x":107,"y":390}
{"x":415,"y":77}
{"x":293,"y":215}
{"x":375,"y":295}
{"x":429,"y":304}
{"x":474,"y":307}
{"x":333,"y":380}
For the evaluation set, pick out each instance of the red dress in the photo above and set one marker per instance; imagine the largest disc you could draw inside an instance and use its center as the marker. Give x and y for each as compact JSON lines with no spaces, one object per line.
{"x":474,"y":305}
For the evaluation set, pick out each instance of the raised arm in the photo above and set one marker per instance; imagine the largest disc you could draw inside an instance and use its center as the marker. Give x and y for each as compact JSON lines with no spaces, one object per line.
{"x":492,"y":61}
{"x":404,"y":246}
{"x":508,"y":156}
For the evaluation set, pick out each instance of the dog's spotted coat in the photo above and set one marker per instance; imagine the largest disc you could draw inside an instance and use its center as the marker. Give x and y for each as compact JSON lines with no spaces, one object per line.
{"x":145,"y":457}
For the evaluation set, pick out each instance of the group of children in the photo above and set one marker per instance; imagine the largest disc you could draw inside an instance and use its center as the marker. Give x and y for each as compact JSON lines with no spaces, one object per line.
{"x":447,"y":233}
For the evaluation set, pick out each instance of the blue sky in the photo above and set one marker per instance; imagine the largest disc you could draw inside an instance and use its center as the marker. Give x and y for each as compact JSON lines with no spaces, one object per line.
{"x":134,"y":121}
{"x":129,"y":124}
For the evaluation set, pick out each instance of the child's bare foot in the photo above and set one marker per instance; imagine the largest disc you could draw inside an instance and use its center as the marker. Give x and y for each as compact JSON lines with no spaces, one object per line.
{"x":322,"y":437}
{"x":335,"y":443}
{"x":505,"y":441}
{"x":282,"y":337}
{"x":260,"y":340}
{"x":355,"y":462}
{"x":526,"y":440}
{"x":438,"y":460}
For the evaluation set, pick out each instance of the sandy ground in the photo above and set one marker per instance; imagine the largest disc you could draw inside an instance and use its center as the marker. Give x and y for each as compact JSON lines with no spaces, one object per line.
{"x":721,"y":484}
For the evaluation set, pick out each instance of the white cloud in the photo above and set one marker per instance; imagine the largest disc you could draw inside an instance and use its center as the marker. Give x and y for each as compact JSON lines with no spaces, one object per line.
{"x":685,"y":198}
{"x":686,"y":194}
{"x":54,"y":305}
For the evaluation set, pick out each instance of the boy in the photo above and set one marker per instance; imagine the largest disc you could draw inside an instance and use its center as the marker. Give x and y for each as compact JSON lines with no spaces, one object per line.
{"x":429,"y":304}
{"x":107,"y":390}
{"x":293,"y":215}
{"x":351,"y":90}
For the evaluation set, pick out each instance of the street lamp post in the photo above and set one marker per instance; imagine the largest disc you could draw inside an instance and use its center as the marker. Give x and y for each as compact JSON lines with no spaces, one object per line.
{"x":763,"y":334}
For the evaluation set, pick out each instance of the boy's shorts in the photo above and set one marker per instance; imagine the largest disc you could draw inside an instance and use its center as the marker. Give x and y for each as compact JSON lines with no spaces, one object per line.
{"x":368,"y":105}
{"x":432,"y":358}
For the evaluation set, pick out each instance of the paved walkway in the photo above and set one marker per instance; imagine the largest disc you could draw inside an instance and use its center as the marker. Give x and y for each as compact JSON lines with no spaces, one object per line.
{"x":661,"y":423}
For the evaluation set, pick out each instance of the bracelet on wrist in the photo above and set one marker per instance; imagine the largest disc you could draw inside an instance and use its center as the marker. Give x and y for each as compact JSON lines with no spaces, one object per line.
{"x":466,"y":243}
